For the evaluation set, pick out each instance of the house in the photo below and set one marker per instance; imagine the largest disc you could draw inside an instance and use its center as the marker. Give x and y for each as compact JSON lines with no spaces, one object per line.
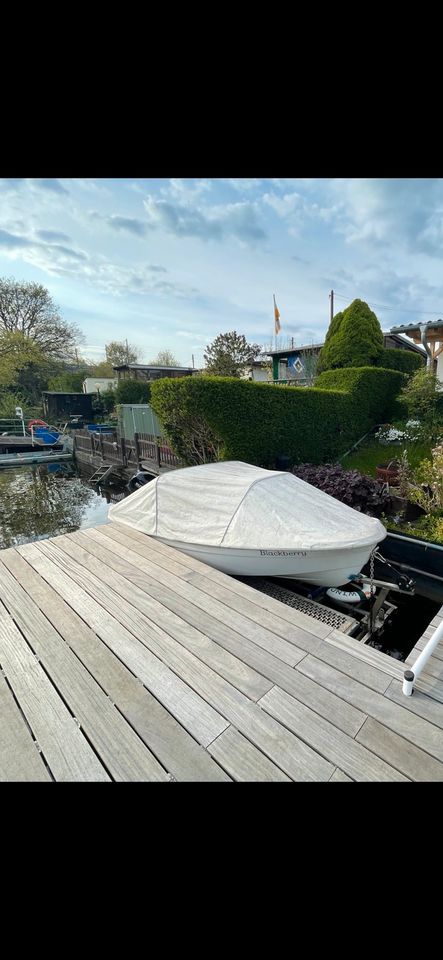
{"x":297,"y":365}
{"x":142,"y":371}
{"x":258,"y":370}
{"x":98,"y":384}
{"x":431,"y":336}
{"x":62,"y":406}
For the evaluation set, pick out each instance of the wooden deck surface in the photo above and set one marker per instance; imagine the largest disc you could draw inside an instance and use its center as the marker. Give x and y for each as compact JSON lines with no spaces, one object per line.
{"x":123,"y":659}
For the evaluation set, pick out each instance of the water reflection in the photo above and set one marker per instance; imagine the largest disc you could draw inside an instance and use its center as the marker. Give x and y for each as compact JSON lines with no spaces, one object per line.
{"x":44,"y":500}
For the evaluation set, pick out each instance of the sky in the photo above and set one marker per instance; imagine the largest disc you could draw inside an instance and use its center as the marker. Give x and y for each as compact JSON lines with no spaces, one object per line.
{"x":169,"y":264}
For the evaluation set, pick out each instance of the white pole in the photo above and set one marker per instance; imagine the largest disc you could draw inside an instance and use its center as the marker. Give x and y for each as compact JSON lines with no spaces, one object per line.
{"x":414,"y":672}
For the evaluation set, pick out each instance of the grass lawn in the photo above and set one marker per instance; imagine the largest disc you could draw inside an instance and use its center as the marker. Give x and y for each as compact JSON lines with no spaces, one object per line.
{"x":371,"y":454}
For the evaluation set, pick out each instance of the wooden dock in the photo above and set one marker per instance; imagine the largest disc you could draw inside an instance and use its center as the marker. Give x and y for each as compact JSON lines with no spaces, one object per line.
{"x":123,"y":659}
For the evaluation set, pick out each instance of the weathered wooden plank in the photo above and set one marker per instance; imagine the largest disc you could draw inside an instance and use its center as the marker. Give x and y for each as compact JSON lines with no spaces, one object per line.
{"x":421,"y":643}
{"x":244,"y":605}
{"x":420,"y":703}
{"x":333,"y":708}
{"x":119,"y":748}
{"x":164,"y":555}
{"x":393,"y":668}
{"x":289,"y":753}
{"x":431,"y":686}
{"x":242,"y":760}
{"x":345,"y":661}
{"x":398,"y":752}
{"x":66,"y":750}
{"x":286,"y":651}
{"x":126,"y":583}
{"x":433,"y":668}
{"x":397,"y":718}
{"x":346,"y":753}
{"x":325,"y":703}
{"x":20,"y":760}
{"x":175,"y":748}
{"x":340,"y":777}
{"x":345,"y":717}
{"x":200,"y":719}
{"x":255,"y":656}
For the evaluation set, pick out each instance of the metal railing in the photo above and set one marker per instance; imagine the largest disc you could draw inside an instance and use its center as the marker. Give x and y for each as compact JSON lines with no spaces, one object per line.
{"x":12,"y":426}
{"x":411,"y":675}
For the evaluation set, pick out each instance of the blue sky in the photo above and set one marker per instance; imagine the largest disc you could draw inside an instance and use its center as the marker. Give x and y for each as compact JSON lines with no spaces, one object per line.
{"x":171,"y":263}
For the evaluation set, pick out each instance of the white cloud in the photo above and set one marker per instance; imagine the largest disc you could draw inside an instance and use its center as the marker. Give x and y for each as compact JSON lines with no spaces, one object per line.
{"x":238,"y":220}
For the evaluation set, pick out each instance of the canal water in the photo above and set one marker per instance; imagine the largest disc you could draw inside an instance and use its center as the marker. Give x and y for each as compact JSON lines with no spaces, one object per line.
{"x":44,"y":500}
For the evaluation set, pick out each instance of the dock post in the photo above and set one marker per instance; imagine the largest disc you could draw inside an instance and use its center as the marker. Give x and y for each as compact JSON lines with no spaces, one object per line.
{"x":137,"y":450}
{"x":408,"y":683}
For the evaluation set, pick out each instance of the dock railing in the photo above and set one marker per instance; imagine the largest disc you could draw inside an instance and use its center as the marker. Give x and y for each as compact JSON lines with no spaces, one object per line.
{"x":126,"y":452}
{"x":411,"y":675}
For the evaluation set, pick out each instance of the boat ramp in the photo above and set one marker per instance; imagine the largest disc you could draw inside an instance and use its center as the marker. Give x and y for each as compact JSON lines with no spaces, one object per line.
{"x":125,"y":660}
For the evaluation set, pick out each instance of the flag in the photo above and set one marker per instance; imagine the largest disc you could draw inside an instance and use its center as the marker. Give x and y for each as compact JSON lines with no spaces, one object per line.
{"x":277,"y":318}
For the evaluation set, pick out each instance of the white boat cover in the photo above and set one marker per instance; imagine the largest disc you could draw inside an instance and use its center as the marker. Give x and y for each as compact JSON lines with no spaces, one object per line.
{"x":235,"y":504}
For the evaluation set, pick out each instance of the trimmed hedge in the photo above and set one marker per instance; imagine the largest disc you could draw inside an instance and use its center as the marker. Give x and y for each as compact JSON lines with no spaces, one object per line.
{"x":256,"y":422}
{"x":404,"y":360}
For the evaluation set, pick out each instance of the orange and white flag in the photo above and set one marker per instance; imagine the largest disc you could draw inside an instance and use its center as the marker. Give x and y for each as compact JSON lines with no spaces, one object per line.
{"x":277,"y":318}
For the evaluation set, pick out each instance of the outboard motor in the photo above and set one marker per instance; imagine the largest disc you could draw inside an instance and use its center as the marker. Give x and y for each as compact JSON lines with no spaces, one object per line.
{"x":138,"y":480}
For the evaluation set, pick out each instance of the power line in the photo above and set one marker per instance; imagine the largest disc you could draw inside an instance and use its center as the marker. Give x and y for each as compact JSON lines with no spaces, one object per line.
{"x":396,"y":309}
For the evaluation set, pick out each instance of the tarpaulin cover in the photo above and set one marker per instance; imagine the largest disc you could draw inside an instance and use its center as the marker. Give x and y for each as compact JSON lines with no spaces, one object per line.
{"x":235,"y":504}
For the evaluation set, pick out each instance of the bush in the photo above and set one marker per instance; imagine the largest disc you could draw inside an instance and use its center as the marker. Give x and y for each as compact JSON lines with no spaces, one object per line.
{"x":351,"y":487}
{"x":224,"y":418}
{"x":354,"y":340}
{"x":404,"y":360}
{"x":133,"y":391}
{"x":421,"y":395}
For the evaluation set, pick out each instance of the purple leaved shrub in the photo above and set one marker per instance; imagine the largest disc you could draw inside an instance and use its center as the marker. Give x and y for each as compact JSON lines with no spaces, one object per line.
{"x":351,"y":487}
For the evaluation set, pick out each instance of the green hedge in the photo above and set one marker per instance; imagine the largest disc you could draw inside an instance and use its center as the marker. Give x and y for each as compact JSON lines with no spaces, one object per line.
{"x":404,"y":360}
{"x":256,"y":422}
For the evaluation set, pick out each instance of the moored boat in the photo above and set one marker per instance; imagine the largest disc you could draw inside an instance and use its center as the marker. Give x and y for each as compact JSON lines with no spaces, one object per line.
{"x":248,"y":521}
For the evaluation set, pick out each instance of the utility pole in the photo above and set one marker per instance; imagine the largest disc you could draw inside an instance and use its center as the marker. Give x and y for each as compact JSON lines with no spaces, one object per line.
{"x":192,"y":361}
{"x":127,"y":352}
{"x":331,"y":297}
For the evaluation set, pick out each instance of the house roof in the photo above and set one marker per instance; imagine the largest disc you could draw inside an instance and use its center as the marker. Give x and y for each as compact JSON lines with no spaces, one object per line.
{"x":147,"y":366}
{"x":433,"y":330}
{"x":294,"y":349}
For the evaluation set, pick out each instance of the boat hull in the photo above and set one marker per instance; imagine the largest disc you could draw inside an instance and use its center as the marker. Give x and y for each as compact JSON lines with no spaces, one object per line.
{"x":323,"y":568}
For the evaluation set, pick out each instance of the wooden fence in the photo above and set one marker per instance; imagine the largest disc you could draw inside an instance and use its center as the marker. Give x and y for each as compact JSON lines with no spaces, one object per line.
{"x":127,"y":452}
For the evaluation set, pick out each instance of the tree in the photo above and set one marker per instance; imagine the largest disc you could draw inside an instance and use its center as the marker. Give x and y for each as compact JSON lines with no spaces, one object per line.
{"x":120,"y":352}
{"x":16,"y":352}
{"x":354,"y":339}
{"x":68,"y":382}
{"x":229,"y":354}
{"x":102,"y":369}
{"x":165,"y":358}
{"x":28,"y":309}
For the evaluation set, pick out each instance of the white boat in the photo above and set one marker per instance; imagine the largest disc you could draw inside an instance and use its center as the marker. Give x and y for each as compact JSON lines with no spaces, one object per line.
{"x":252,"y":522}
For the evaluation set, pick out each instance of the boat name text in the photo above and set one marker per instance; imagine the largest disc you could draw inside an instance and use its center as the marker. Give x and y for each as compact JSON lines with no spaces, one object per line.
{"x":283,"y":553}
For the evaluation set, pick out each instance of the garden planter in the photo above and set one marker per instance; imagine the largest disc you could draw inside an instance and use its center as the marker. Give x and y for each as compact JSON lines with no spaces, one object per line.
{"x":387,"y":472}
